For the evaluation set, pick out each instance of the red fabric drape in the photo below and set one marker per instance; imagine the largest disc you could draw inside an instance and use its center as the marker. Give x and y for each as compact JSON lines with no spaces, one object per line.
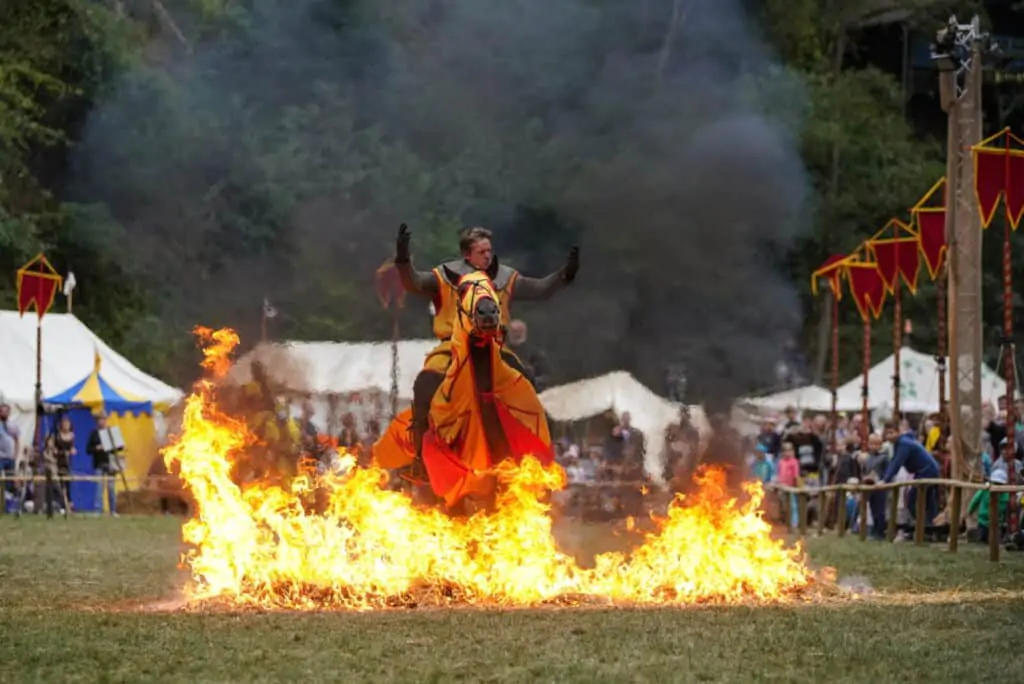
{"x":867,"y":288}
{"x":38,"y":283}
{"x":931,"y":234}
{"x":999,"y":174}
{"x":832,"y":269}
{"x":895,"y":258}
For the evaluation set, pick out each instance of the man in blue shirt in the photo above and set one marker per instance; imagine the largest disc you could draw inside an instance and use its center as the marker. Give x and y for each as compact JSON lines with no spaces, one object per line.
{"x":908,"y":453}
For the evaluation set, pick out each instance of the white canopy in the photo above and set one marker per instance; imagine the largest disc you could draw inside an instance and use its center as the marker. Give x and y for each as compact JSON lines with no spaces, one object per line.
{"x":810,"y":397}
{"x":69,"y":353}
{"x":619,"y":392}
{"x":919,"y":385}
{"x":336,"y":367}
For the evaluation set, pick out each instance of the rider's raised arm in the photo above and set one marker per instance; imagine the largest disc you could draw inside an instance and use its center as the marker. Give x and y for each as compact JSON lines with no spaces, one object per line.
{"x":417,"y":282}
{"x":537,"y":289}
{"x":541,"y":288}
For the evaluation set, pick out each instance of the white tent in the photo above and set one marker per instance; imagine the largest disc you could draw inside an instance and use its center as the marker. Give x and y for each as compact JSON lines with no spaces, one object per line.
{"x":69,"y":353}
{"x":810,"y":397}
{"x":319,"y":368}
{"x":919,"y":385}
{"x":619,"y":391}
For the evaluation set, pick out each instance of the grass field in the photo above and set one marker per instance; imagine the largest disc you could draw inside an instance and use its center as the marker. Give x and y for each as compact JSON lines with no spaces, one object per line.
{"x":72,"y":595}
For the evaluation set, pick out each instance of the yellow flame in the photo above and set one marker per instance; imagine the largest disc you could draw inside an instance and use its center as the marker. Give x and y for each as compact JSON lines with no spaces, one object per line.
{"x":259,"y":545}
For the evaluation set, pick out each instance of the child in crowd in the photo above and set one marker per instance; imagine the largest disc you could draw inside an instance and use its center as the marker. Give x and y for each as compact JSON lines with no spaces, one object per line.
{"x":788,"y":476}
{"x":764,"y":469}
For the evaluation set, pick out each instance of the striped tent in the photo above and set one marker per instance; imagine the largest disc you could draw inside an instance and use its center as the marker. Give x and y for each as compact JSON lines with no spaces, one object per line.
{"x":132,"y":414}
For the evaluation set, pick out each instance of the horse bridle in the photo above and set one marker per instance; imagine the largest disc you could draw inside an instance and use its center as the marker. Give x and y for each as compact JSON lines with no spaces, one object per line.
{"x":485,"y":332}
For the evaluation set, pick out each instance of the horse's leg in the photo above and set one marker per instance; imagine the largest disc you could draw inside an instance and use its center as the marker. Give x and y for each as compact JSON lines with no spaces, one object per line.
{"x":423,"y":390}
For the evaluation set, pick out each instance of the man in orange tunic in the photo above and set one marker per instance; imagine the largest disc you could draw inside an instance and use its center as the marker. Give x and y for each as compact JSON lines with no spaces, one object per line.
{"x":439,"y":284}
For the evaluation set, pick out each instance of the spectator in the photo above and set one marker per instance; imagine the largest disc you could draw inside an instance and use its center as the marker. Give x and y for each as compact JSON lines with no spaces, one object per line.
{"x":348,"y":437}
{"x":809,"y":449}
{"x":764,"y":469}
{"x":625,"y":444}
{"x":63,"y":451}
{"x":909,"y":454}
{"x":789,"y":476}
{"x":769,"y":437}
{"x":103,"y":465}
{"x":791,"y":421}
{"x":874,"y":466}
{"x":979,"y":506}
{"x":10,"y":443}
{"x":1007,"y":453}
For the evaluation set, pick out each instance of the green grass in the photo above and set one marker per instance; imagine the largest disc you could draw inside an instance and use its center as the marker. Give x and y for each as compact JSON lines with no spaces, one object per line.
{"x":72,"y":592}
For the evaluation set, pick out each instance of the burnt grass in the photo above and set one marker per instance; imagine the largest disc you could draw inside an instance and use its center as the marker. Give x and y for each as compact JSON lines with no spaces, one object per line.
{"x":88,"y":600}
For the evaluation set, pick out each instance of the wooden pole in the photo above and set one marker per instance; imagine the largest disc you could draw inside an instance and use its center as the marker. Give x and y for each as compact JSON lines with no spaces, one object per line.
{"x":835,"y":371}
{"x":955,"y":497}
{"x":919,"y":513}
{"x":940,"y":297}
{"x":1009,"y":355}
{"x":865,"y":415}
{"x":993,"y":526}
{"x":897,"y":332}
{"x":394,"y":360}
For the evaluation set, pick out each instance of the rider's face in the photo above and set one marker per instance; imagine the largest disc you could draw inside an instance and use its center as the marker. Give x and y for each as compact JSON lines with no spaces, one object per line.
{"x":479,"y":255}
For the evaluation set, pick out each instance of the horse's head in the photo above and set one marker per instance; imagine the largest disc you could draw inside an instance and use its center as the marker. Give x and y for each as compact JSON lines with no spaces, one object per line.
{"x":479,"y":307}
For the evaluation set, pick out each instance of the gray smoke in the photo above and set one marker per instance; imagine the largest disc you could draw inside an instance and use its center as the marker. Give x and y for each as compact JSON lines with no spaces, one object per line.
{"x":293,"y":146}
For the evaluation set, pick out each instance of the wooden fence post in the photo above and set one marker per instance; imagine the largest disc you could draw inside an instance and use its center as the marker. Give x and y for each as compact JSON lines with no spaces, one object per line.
{"x":893,"y":505}
{"x":954,"y":517}
{"x":862,"y":510}
{"x":993,"y":526}
{"x":919,"y":514}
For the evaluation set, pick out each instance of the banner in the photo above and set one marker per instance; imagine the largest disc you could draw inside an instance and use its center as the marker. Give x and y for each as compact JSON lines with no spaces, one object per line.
{"x":867,"y":287}
{"x":897,"y":256}
{"x":999,"y":175}
{"x":38,"y":283}
{"x":832,"y":269}
{"x":389,"y":285}
{"x":930,"y":221}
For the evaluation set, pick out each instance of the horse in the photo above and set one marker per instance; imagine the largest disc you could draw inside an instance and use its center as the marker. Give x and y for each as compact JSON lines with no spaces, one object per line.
{"x":484,"y":412}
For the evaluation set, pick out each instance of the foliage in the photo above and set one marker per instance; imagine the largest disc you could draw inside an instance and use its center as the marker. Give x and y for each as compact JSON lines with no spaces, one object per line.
{"x":189,"y":158}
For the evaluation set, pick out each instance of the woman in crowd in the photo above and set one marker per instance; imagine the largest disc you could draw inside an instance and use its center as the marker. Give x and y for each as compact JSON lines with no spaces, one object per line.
{"x":64,"y":449}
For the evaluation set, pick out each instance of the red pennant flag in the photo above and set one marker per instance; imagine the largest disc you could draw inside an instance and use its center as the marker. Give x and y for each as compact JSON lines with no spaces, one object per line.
{"x":38,"y":283}
{"x":867,"y":287}
{"x":897,"y":257}
{"x":931,"y":234}
{"x":833,"y":270}
{"x":999,"y":175}
{"x":389,"y":285}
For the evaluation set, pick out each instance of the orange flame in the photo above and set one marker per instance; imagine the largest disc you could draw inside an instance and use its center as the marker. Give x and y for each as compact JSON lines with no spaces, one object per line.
{"x":258,"y":545}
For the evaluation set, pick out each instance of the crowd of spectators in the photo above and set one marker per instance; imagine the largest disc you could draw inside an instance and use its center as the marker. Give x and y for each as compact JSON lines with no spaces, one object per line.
{"x":798,"y":452}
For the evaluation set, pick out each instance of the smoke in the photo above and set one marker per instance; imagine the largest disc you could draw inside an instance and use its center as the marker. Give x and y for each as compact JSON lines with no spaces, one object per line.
{"x":279,"y":157}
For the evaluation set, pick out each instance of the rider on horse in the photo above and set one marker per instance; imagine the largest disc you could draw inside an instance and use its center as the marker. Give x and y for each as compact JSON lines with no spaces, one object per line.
{"x":440,"y":283}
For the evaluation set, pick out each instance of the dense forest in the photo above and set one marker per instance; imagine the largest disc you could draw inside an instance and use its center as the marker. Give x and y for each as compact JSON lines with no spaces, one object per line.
{"x":188,"y":158}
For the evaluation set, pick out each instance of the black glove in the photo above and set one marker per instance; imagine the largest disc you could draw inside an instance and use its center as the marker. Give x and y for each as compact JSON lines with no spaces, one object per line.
{"x":402,"y":245}
{"x":572,"y":264}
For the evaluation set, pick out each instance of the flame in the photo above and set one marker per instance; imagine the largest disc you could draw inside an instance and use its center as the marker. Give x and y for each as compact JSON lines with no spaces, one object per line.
{"x":258,"y":545}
